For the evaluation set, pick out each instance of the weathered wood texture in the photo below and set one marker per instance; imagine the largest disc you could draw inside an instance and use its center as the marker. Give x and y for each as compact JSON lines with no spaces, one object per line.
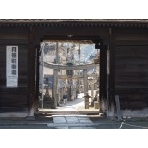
{"x":131,"y":76}
{"x":31,"y":72}
{"x":37,"y":62}
{"x":103,"y":75}
{"x":128,"y":74}
{"x":14,"y":99}
{"x":78,"y":33}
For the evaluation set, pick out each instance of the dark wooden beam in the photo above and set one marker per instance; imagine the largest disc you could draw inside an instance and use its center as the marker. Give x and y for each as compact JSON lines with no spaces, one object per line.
{"x":111,"y":90}
{"x":37,"y":75}
{"x":103,"y":76}
{"x":31,"y":72}
{"x":71,"y":37}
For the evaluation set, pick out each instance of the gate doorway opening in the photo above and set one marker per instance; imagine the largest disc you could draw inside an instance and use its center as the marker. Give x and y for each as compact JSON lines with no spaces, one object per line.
{"x":69,"y":73}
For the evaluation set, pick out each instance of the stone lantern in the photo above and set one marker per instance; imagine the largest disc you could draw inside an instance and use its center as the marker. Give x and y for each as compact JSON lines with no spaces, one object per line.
{"x":86,"y":101}
{"x":92,"y":81}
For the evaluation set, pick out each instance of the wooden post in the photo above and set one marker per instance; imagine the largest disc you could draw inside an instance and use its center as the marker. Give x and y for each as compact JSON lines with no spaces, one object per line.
{"x":31,"y":75}
{"x":118,"y":107}
{"x":111,"y":75}
{"x":37,"y":77}
{"x":103,"y":79}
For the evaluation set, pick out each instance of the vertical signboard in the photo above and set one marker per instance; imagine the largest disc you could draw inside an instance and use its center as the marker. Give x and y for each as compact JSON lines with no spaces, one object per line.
{"x":12,"y":66}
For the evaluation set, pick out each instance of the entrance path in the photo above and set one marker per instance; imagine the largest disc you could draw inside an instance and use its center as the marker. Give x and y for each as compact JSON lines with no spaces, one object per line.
{"x":75,"y":106}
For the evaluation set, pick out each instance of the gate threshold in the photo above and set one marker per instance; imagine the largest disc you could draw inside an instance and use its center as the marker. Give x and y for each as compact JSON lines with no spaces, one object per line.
{"x":61,"y":112}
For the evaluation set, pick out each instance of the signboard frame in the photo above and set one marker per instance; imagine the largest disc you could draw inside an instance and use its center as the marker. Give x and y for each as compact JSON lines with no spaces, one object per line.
{"x":12,"y":66}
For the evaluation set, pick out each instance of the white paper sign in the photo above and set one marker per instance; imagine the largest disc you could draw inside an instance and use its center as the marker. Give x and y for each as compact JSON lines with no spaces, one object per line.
{"x":11,"y":82}
{"x":12,"y":66}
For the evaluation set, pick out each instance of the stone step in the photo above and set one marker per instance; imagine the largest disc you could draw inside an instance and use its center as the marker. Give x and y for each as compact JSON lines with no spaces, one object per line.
{"x":71,"y":119}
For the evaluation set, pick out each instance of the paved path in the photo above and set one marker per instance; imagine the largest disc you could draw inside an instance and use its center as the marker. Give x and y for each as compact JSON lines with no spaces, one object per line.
{"x":75,"y":106}
{"x":71,"y":119}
